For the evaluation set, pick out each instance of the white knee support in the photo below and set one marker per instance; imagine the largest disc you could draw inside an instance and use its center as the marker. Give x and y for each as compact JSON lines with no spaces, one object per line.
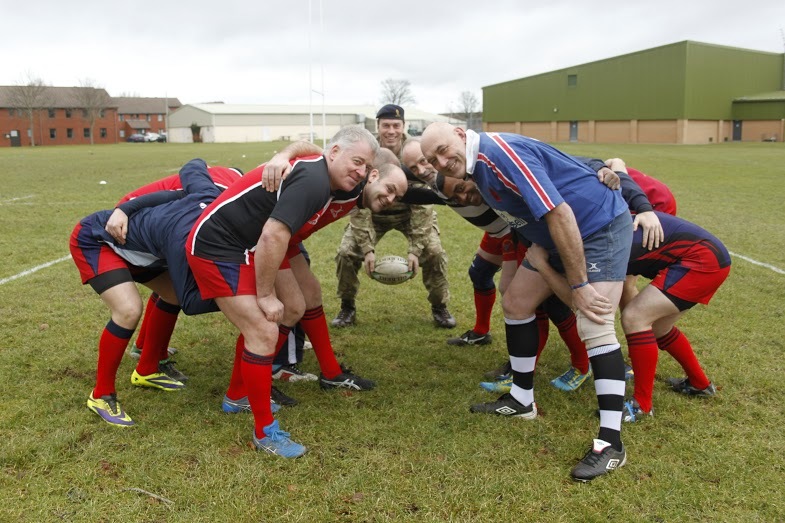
{"x":594,"y":334}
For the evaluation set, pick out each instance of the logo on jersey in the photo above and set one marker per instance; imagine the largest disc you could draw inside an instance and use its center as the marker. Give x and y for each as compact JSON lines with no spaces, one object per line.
{"x":336,"y":212}
{"x":512,"y":221}
{"x":592,"y":267}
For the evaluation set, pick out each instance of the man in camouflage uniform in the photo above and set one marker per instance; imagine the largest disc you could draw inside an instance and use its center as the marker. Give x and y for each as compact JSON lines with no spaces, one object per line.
{"x":416,"y":222}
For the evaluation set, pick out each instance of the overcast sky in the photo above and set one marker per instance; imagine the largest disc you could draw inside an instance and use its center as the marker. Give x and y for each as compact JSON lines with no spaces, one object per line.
{"x":257,"y":51}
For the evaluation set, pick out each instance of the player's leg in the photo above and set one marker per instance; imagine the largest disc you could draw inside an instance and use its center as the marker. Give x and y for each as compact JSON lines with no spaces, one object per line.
{"x":433,"y":263}
{"x":348,"y":260}
{"x":314,"y":323}
{"x":525,"y":292}
{"x":162,"y":321}
{"x":637,"y":318}
{"x":259,"y":337}
{"x":484,"y":267}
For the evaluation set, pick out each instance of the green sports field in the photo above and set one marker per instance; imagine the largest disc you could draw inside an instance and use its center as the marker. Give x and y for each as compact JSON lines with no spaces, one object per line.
{"x":409,"y":450}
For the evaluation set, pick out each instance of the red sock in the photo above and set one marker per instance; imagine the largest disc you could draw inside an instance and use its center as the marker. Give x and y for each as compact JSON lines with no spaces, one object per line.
{"x":643,"y":354}
{"x":236,"y":384}
{"x":568,"y":330}
{"x":143,"y":328}
{"x":162,"y":320}
{"x":677,"y":345}
{"x":543,"y":330}
{"x":257,"y":373}
{"x":314,"y":325}
{"x":111,"y":347}
{"x":483,"y":308}
{"x":283,"y":336}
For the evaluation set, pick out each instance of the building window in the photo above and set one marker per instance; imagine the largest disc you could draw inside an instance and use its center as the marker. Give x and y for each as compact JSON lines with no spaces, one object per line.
{"x":51,"y":113}
{"x":122,"y":133}
{"x":29,"y":133}
{"x":87,"y":132}
{"x":52,"y":133}
{"x":121,"y":117}
{"x":101,"y":113}
{"x":160,"y":118}
{"x":572,"y":80}
{"x":68,"y":113}
{"x":103,"y":132}
{"x":11,"y":113}
{"x":148,"y":117}
{"x":84,"y":113}
{"x":69,"y":133}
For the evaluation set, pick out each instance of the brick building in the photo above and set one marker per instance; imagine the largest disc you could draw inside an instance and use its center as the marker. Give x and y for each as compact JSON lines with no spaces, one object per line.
{"x":61,"y":119}
{"x":143,"y":115}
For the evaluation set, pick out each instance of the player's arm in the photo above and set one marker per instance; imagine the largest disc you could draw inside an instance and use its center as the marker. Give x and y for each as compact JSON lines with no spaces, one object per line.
{"x":567,"y":237}
{"x":270,"y":251}
{"x":117,"y":224}
{"x":279,"y":166}
{"x":605,"y":175}
{"x":638,"y":202}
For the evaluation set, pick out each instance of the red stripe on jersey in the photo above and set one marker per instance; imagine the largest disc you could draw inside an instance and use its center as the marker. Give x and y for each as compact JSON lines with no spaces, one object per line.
{"x":527,"y":174}
{"x":507,"y":183}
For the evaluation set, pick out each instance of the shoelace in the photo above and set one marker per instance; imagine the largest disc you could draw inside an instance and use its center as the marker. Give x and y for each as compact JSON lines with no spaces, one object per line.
{"x":592,"y":458}
{"x":344,"y":314}
{"x":279,"y":436}
{"x":112,"y":402}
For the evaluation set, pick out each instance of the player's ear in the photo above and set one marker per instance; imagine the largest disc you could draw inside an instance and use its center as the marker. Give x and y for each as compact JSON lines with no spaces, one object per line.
{"x":373,"y":175}
{"x":334,"y":150}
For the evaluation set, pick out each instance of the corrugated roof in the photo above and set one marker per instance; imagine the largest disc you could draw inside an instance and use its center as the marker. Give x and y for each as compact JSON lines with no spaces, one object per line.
{"x":411,"y":113}
{"x":57,"y":97}
{"x":772,"y":96}
{"x":138,"y":105}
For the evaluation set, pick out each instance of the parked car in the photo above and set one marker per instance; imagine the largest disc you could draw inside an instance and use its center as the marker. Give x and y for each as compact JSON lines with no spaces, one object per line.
{"x":151,"y":137}
{"x":135,"y":138}
{"x":162,"y":136}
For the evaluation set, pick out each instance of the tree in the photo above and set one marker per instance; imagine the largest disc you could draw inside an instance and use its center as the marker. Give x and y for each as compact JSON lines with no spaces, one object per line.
{"x":397,"y":92}
{"x":93,"y":100}
{"x":29,"y":98}
{"x":467,"y":107}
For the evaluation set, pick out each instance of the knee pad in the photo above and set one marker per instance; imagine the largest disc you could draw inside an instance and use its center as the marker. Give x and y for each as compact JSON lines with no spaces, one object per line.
{"x":481,"y":272}
{"x":594,"y":334}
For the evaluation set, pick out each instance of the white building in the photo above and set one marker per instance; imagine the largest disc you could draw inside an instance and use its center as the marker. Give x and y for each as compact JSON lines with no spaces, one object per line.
{"x":223,"y":123}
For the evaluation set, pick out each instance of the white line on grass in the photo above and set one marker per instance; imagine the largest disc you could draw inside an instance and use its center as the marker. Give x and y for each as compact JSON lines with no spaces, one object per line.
{"x":34,"y":269}
{"x":756,"y":262}
{"x":16,"y":199}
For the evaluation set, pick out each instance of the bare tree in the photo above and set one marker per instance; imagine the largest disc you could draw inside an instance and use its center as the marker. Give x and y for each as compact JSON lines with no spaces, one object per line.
{"x":397,"y":92}
{"x":93,"y":100}
{"x":467,"y":107}
{"x":29,"y":98}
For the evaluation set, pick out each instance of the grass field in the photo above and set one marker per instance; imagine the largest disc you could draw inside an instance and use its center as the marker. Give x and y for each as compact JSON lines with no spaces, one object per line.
{"x":409,"y":450}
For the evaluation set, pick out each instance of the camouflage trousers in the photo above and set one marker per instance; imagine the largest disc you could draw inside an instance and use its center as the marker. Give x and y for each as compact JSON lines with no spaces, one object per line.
{"x":433,"y":260}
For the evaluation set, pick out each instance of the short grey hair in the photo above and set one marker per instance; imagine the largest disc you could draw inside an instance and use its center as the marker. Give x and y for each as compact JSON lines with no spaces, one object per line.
{"x":384,"y":157}
{"x":350,"y":135}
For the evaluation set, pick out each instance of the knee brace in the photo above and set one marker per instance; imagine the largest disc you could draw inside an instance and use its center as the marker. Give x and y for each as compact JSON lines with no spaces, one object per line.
{"x":594,"y":334}
{"x":481,"y":272}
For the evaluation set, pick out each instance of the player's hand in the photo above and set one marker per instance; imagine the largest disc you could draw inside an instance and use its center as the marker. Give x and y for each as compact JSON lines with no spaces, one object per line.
{"x":537,"y":256}
{"x":609,"y":178}
{"x":271,"y":307}
{"x":414,"y":264}
{"x":616,"y":164}
{"x":369,"y":263}
{"x":591,"y":303}
{"x":653,"y":234}
{"x":275,"y":171}
{"x":117,"y":226}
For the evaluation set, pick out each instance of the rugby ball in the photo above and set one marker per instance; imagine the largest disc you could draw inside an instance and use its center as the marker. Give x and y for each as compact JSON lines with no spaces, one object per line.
{"x":391,"y":270}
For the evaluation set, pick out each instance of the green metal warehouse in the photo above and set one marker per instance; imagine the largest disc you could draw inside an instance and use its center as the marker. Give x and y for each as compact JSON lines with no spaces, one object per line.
{"x":687,"y":92}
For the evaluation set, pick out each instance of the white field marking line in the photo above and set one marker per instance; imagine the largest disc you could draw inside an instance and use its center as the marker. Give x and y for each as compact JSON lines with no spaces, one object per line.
{"x":34,"y":269}
{"x":756,"y":262}
{"x":16,"y":199}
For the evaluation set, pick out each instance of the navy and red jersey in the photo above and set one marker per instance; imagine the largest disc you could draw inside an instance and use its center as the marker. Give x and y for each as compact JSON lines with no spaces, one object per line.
{"x":222,"y":177}
{"x":685,"y":245}
{"x":230,"y":227}
{"x":659,"y":195}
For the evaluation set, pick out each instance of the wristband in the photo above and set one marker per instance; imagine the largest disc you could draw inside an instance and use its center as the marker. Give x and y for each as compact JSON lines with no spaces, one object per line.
{"x":578,"y":286}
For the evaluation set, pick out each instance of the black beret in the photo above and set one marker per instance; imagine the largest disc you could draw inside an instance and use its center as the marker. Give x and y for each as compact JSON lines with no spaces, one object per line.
{"x":390,"y":112}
